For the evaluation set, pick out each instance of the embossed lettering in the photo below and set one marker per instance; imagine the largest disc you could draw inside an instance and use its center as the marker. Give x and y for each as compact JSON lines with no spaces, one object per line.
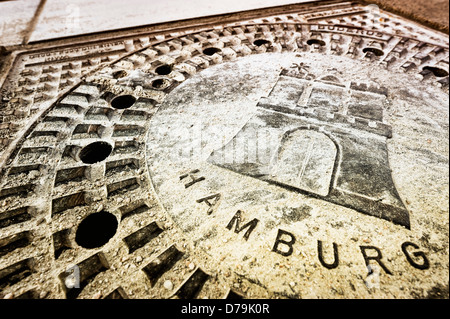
{"x":377,"y":258}
{"x":288,"y":243}
{"x":237,"y":219}
{"x":193,"y":178}
{"x":335,"y":252}
{"x":425,"y":263}
{"x":211,"y":201}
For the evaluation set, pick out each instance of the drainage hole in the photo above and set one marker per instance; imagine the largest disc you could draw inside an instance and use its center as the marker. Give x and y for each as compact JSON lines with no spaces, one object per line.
{"x":261,"y":42}
{"x":123,"y":101}
{"x":95,"y":152}
{"x":211,"y":51}
{"x":158,"y":83}
{"x":315,"y":41}
{"x":163,"y":69}
{"x":119,"y":74}
{"x":96,"y":230}
{"x":436,"y":71}
{"x":375,"y":51}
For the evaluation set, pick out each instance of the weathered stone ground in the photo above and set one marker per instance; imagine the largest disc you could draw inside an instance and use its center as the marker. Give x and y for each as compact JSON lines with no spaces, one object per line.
{"x":177,"y":222}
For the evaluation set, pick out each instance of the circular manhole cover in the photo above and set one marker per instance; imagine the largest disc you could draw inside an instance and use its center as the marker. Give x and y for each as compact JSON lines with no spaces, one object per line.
{"x":289,"y":176}
{"x":263,"y":160}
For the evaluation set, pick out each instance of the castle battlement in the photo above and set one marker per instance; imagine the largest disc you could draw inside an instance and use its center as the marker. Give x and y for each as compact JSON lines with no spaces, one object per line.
{"x":330,"y":118}
{"x":316,"y":124}
{"x":357,"y":105}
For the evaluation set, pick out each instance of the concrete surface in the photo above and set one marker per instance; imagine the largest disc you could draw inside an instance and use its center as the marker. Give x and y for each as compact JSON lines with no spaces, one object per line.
{"x":80,"y":17}
{"x":68,"y":18}
{"x":15,"y":17}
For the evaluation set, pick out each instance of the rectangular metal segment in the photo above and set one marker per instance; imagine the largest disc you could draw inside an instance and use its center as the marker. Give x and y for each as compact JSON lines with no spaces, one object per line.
{"x":141,"y":237}
{"x":165,"y":261}
{"x":193,"y":285}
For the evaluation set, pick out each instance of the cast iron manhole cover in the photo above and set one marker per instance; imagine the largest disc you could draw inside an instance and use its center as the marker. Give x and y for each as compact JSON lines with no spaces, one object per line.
{"x":299,"y":154}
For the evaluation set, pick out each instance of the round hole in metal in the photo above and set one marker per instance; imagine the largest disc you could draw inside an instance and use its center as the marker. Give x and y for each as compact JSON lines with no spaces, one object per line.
{"x":123,"y":101}
{"x":95,"y":152}
{"x":163,"y":69}
{"x":438,"y":72}
{"x":375,"y":51}
{"x":315,"y":41}
{"x":211,"y":51}
{"x":120,"y":74}
{"x":158,"y":83}
{"x":96,"y":230}
{"x":261,"y":42}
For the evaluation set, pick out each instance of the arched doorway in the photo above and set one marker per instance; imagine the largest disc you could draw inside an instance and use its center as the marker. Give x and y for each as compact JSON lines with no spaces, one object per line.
{"x":305,"y":160}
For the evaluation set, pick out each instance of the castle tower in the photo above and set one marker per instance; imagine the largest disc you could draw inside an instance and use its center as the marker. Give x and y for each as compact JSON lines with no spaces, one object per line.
{"x":322,"y":138}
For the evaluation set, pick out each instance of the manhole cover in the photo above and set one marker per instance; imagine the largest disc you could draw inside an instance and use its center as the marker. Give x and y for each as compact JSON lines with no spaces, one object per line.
{"x":287,"y":155}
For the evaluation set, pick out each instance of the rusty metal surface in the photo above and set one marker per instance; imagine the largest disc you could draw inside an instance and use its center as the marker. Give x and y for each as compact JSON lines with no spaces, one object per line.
{"x":130,"y":131}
